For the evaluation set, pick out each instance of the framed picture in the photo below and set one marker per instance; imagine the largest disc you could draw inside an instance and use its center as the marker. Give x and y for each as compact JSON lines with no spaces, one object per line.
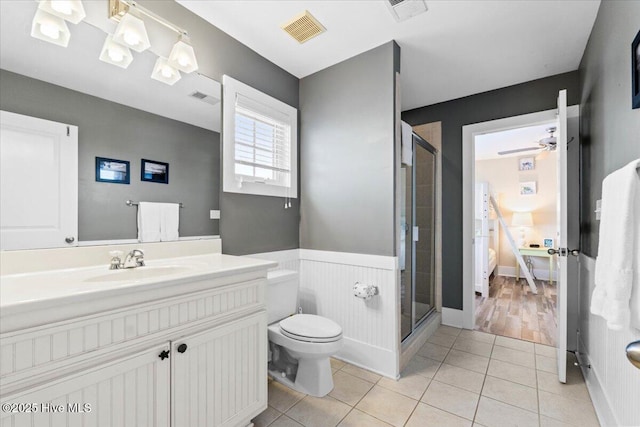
{"x":526,"y":164}
{"x":635,"y":72}
{"x":527,"y":188}
{"x":112,"y":170}
{"x":547,"y":243}
{"x":154,"y":171}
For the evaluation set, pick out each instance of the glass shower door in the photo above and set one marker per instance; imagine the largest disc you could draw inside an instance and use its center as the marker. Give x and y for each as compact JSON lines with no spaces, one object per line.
{"x":417,"y":237}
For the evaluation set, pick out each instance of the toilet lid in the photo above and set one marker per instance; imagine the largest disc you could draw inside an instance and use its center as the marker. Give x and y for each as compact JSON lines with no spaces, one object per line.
{"x":309,"y":327}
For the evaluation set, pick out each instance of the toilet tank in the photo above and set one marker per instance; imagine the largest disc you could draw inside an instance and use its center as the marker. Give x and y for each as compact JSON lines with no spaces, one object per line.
{"x":282,"y":294}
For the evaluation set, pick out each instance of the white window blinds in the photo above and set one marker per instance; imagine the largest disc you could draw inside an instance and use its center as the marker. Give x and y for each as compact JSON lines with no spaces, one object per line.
{"x":262,"y":143}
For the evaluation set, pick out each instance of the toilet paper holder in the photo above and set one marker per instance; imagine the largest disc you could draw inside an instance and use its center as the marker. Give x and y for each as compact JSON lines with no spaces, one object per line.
{"x":364,"y":291}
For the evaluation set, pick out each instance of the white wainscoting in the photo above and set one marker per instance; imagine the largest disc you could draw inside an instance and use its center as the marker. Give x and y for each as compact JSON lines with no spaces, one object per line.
{"x":370,"y":328}
{"x":614,"y":384}
{"x":287,"y":259}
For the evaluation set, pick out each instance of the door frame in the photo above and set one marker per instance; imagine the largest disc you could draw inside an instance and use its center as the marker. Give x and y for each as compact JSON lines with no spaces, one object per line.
{"x":469,"y":132}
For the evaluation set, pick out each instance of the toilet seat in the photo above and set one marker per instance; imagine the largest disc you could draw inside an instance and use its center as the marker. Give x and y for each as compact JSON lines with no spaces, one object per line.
{"x":310,"y":328}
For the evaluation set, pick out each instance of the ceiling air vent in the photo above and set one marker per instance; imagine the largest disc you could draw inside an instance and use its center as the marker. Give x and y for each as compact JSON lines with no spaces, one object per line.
{"x":405,"y":9}
{"x":204,"y":97}
{"x":303,"y":27}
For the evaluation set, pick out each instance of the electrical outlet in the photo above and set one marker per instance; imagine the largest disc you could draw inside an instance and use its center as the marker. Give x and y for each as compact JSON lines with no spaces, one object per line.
{"x":214,"y":214}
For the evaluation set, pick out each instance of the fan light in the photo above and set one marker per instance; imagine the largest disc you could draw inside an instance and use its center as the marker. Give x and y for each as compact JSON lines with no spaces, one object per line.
{"x":115,"y":54}
{"x":182,"y":56}
{"x":69,"y":10}
{"x":131,"y":32}
{"x":50,"y":28}
{"x":165,"y":73}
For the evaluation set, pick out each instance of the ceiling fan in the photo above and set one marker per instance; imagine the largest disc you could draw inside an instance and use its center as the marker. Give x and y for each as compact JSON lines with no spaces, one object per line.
{"x":545,"y":144}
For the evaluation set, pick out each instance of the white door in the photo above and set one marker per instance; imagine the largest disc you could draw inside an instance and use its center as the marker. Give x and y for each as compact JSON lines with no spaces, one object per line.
{"x":219,"y":376}
{"x":129,"y":392}
{"x":38,"y":183}
{"x":562,"y":243}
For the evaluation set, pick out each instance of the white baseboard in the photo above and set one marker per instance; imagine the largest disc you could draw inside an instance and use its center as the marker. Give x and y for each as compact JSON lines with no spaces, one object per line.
{"x":452,"y":317}
{"x":540,"y":273}
{"x":372,"y":358}
{"x":594,"y":386}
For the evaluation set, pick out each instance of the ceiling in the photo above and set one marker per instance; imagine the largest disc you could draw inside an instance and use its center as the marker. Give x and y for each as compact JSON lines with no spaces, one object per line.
{"x":455,"y":49}
{"x":133,"y":86}
{"x":488,"y":145}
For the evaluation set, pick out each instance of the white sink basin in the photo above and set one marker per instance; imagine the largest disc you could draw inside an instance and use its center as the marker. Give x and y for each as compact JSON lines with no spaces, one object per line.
{"x":139,"y":273}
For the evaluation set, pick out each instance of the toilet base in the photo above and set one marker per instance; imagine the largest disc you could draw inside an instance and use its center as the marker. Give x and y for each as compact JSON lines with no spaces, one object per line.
{"x":312,"y":376}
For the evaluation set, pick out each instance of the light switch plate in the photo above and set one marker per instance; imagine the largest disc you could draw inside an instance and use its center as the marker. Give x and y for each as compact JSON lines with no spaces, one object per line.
{"x":598,"y":209}
{"x":214,"y":214}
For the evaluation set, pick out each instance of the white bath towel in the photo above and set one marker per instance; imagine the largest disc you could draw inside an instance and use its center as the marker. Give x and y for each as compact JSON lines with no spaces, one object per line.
{"x":407,"y":144}
{"x":169,"y":221}
{"x":617,"y":248}
{"x":149,"y":222}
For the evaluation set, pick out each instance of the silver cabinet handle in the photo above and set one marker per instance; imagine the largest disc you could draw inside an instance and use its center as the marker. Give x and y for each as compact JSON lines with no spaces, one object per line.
{"x":70,"y":240}
{"x":633,"y":353}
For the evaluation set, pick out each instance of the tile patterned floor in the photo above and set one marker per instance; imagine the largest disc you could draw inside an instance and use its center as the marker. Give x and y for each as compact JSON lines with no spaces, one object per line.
{"x":458,"y":378}
{"x":512,"y":310}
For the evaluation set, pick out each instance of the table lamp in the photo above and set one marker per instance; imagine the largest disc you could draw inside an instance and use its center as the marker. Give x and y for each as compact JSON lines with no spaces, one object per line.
{"x":522,"y":220}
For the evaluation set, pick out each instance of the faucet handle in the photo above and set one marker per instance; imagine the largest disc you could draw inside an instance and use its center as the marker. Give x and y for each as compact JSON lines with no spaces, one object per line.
{"x":116,"y":260}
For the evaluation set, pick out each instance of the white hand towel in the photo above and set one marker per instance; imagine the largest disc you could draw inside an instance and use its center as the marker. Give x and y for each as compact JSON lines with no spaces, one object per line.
{"x":169,"y":221}
{"x":407,"y":144}
{"x":148,"y":222}
{"x":617,"y":256}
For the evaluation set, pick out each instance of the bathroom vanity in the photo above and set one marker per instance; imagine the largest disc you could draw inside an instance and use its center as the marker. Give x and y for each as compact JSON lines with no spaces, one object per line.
{"x":178,"y":342}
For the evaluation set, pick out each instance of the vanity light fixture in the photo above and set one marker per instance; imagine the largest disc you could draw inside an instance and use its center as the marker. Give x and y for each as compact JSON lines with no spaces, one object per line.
{"x":164,"y":72}
{"x":50,"y":28}
{"x":182,"y":55}
{"x":132,"y":33}
{"x":115,"y":54}
{"x":69,"y":10}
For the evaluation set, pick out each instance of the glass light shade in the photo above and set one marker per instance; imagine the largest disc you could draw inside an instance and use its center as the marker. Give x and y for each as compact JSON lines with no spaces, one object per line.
{"x":522,"y":219}
{"x":164,"y":72}
{"x":132,"y":33}
{"x":69,"y":10}
{"x":183,"y":57}
{"x":50,"y":28}
{"x":116,"y":54}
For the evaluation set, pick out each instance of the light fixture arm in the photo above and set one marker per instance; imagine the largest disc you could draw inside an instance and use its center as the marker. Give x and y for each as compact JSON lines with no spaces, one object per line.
{"x":118,"y":8}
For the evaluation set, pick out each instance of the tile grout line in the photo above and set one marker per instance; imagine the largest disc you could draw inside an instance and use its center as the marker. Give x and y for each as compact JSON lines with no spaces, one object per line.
{"x":475,"y":413}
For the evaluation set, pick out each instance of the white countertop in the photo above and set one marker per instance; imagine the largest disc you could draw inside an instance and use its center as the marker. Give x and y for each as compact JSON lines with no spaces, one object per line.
{"x":48,"y":289}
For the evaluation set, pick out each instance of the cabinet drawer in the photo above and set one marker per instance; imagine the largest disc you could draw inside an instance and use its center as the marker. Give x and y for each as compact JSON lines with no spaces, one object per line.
{"x":132,"y":391}
{"x":50,"y":348}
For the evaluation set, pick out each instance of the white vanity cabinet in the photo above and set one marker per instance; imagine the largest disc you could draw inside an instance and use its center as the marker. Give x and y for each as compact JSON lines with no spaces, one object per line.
{"x":195,"y":358}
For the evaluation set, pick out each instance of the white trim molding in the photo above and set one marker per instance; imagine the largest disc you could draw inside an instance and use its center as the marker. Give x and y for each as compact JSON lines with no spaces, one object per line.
{"x":453,"y":317}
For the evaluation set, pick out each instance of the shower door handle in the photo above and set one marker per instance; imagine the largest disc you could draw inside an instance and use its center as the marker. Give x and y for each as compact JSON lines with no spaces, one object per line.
{"x":416,"y":233}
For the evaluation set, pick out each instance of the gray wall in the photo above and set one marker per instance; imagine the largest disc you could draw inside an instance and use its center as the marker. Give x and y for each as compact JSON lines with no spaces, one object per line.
{"x":610,"y":129}
{"x":107,"y":129}
{"x":249,"y":224}
{"x":529,"y":97}
{"x":347,"y":154}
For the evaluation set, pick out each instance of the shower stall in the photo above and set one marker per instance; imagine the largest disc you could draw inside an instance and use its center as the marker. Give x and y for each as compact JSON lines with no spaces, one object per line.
{"x":417,"y":236}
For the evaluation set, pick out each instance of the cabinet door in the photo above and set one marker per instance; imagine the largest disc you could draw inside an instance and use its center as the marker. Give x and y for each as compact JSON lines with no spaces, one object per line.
{"x":131,"y":391}
{"x":219,"y":376}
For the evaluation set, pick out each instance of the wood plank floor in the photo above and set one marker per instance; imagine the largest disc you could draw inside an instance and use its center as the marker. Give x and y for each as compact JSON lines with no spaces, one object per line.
{"x":513,"y":311}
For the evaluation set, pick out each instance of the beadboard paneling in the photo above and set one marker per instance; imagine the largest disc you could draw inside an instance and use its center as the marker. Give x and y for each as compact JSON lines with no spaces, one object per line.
{"x":604,"y":349}
{"x":369,"y":327}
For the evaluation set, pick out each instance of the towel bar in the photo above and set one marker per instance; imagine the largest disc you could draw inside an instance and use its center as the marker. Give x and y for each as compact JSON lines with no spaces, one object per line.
{"x":132,"y":203}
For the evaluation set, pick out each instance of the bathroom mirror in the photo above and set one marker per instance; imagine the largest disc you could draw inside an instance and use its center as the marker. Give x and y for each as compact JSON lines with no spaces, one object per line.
{"x":121,"y":114}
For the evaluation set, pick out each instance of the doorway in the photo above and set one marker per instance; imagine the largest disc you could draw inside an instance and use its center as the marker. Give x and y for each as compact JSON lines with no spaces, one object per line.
{"x":417,"y":253}
{"x":516,"y":198}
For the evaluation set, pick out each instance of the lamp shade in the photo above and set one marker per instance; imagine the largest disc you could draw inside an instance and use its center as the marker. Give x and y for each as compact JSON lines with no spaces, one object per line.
{"x":183,"y":57}
{"x":165,"y":73}
{"x":69,"y":10}
{"x":50,"y":28}
{"x":132,"y":33}
{"x":522,"y":219}
{"x":115,"y":54}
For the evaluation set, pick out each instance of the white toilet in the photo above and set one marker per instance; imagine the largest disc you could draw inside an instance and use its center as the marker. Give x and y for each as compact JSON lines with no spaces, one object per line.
{"x":299,"y":344}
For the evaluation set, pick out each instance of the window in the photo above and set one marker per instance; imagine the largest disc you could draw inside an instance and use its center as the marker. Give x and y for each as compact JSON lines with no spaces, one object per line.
{"x":259,"y":142}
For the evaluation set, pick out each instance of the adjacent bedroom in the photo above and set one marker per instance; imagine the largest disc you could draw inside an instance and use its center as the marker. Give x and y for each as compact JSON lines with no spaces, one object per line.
{"x":515,"y":216}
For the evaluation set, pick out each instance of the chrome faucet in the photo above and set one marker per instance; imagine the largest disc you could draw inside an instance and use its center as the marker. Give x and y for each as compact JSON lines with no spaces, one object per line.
{"x":134,"y":259}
